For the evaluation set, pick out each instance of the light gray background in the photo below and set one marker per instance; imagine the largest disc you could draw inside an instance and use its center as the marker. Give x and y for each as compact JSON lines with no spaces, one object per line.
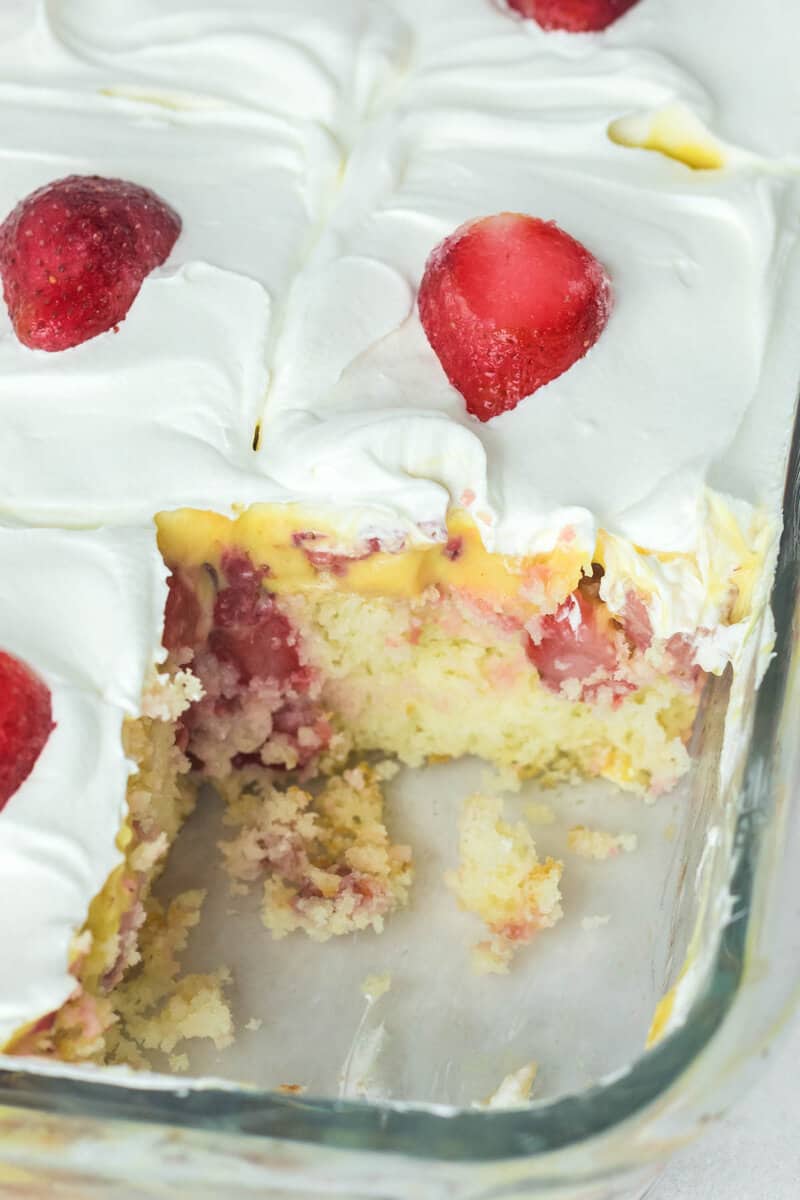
{"x":754,"y":1152}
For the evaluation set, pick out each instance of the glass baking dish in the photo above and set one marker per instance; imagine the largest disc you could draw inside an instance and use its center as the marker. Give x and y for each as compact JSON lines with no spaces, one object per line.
{"x":728,"y":933}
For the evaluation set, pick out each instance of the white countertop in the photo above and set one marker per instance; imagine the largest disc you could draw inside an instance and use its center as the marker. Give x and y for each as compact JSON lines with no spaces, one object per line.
{"x":754,"y":1152}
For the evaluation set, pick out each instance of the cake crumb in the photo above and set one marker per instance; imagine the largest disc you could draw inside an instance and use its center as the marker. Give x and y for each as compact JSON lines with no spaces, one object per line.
{"x":595,"y":922}
{"x":179,"y":1062}
{"x":501,"y":779}
{"x":156,"y":1006}
{"x":375,"y":986}
{"x":148,"y":853}
{"x":514,"y":1091}
{"x":598,"y":844}
{"x":196,"y":1008}
{"x":80,"y":946}
{"x":501,"y":880}
{"x":254,"y":1024}
{"x":539,"y":813}
{"x":492,"y":958}
{"x":329,"y":863}
{"x":167,"y":696}
{"x":291,"y":1089}
{"x":386,"y":770}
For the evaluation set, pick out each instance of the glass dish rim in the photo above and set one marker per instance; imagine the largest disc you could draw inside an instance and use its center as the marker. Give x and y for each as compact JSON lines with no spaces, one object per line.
{"x":442,"y":1134}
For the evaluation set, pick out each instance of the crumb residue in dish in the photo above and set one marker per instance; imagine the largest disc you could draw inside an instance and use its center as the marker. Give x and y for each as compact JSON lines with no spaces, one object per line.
{"x":375,"y":986}
{"x":500,"y":878}
{"x":158,"y":1007}
{"x":327,"y":860}
{"x":514,"y":1091}
{"x":598,"y":844}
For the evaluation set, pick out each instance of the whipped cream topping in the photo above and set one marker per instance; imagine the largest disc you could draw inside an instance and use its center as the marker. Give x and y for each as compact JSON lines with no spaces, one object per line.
{"x":290,"y":295}
{"x":303,"y":60}
{"x":316,"y":153}
{"x":163,"y":412}
{"x":625,"y":439}
{"x":84,"y":610}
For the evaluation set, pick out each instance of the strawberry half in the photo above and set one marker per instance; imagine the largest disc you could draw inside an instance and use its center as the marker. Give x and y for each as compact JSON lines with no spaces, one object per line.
{"x":74,"y":254}
{"x":26,"y":722}
{"x":508,"y":303}
{"x":574,"y":16}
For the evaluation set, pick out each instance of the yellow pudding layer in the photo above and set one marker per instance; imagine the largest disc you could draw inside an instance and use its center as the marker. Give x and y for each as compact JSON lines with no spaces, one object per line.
{"x":729,"y":566}
{"x":270,"y":534}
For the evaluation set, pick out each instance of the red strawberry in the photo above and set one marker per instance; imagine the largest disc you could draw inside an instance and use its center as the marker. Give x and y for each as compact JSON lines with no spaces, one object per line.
{"x":508,"y":303}
{"x":576,"y":16}
{"x":574,"y":642}
{"x":250,"y":630}
{"x":73,"y":256}
{"x":182,"y":618}
{"x":26,"y":722}
{"x":264,"y":648}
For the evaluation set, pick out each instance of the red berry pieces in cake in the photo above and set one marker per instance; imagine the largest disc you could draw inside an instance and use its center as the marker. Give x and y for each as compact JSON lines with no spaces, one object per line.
{"x":574,"y":16}
{"x":265,"y":649}
{"x":250,"y":631}
{"x":182,"y":618}
{"x":260,"y":700}
{"x":453,"y":548}
{"x":26,"y":721}
{"x":574,"y":642}
{"x":332,"y":562}
{"x":508,"y":303}
{"x":74,"y":254}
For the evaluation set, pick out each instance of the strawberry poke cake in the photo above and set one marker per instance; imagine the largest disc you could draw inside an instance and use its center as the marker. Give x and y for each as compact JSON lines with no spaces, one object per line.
{"x":379,"y":382}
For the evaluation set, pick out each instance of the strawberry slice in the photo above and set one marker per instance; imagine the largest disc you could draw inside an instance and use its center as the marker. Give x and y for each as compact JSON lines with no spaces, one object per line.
{"x":182,"y":618}
{"x":265,"y":648}
{"x":508,"y":303}
{"x":74,"y":254}
{"x":250,"y":630}
{"x":26,"y":722}
{"x":575,"y":641}
{"x":574,"y":16}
